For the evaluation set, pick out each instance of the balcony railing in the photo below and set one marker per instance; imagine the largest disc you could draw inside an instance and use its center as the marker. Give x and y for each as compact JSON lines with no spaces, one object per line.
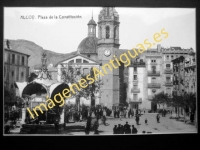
{"x":168,"y":71}
{"x":168,"y":83}
{"x":153,"y":63}
{"x":153,"y":73}
{"x":138,"y":64}
{"x":154,"y":85}
{"x":135,"y":90}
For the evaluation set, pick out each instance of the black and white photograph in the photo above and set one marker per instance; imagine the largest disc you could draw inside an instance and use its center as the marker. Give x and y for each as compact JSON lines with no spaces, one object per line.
{"x":93,"y":71}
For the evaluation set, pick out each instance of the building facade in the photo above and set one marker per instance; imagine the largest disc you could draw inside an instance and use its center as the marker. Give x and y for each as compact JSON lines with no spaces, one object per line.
{"x":15,"y":68}
{"x":158,"y":75}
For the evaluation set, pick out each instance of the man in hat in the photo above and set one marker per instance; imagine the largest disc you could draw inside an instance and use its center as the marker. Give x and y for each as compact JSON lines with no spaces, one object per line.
{"x":134,"y":130}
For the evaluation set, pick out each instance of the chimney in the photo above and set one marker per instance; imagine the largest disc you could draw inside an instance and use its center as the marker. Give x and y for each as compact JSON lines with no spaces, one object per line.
{"x":158,"y":48}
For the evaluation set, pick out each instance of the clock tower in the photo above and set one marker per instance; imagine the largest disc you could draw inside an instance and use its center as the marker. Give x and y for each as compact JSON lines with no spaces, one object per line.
{"x":108,"y":45}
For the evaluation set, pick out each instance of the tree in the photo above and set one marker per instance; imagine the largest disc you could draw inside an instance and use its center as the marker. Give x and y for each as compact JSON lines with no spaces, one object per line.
{"x":73,"y":74}
{"x":161,"y":99}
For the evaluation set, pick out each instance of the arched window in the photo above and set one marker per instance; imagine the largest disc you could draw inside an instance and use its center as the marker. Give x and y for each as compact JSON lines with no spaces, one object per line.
{"x":107,"y":32}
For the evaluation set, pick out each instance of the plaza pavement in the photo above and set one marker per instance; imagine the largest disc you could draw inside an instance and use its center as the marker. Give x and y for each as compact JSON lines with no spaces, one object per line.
{"x":166,"y":126}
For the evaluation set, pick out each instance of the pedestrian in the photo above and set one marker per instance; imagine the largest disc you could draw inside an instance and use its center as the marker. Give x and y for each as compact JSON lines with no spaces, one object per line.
{"x":158,"y":118}
{"x":56,"y":127}
{"x":134,"y":130}
{"x":118,"y":129}
{"x":103,"y":119}
{"x":118,"y":113}
{"x":122,"y":129}
{"x":129,"y":113}
{"x":125,"y":112}
{"x":121,"y":113}
{"x":127,"y":128}
{"x":115,"y":113}
{"x":115,"y":129}
{"x":88,"y":125}
{"x":146,"y":121}
{"x":136,"y":113}
{"x":192,"y":117}
{"x":132,"y":113}
{"x":137,"y":119}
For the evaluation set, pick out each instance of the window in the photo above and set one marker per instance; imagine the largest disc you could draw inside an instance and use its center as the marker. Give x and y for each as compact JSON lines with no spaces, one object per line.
{"x":91,"y":30}
{"x":12,"y":73}
{"x":153,"y":61}
{"x":135,"y":69}
{"x":78,"y":60}
{"x":167,"y":57}
{"x":100,"y":32}
{"x":135,"y":86}
{"x":168,"y":79}
{"x":135,"y":77}
{"x":134,"y":96}
{"x":85,"y":61}
{"x":153,"y":80}
{"x":115,"y":32}
{"x":13,"y":58}
{"x":107,"y":32}
{"x":172,"y":57}
{"x":153,"y":68}
{"x":167,"y":66}
{"x":23,"y":60}
{"x":22,"y":75}
{"x":85,"y":71}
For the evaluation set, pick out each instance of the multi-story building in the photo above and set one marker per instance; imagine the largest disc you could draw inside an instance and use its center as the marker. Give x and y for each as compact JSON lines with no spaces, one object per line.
{"x":190,"y":80}
{"x":155,"y":77}
{"x":15,"y":68}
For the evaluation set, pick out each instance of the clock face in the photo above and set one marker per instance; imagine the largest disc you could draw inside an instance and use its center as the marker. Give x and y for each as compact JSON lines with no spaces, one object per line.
{"x":107,"y":52}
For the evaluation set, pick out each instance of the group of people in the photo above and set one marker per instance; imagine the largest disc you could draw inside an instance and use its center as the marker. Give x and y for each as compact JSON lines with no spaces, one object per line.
{"x":124,"y":129}
{"x":84,"y":113}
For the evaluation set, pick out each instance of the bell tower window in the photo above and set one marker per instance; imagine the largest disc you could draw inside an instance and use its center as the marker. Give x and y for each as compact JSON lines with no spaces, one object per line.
{"x":115,"y":30}
{"x":107,"y":32}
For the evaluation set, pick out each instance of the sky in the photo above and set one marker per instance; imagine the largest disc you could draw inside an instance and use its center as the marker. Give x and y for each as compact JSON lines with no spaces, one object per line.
{"x":63,"y":35}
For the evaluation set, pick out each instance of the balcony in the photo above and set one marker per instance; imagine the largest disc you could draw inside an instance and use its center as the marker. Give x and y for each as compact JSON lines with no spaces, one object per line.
{"x":154,"y":85}
{"x":168,"y":71}
{"x":138,"y":64}
{"x":153,"y":73}
{"x":169,"y":83}
{"x":135,"y":90}
{"x":135,"y":80}
{"x":153,"y":63}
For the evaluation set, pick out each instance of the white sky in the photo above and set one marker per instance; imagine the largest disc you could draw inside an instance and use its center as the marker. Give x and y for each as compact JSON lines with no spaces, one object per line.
{"x":64,"y":35}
